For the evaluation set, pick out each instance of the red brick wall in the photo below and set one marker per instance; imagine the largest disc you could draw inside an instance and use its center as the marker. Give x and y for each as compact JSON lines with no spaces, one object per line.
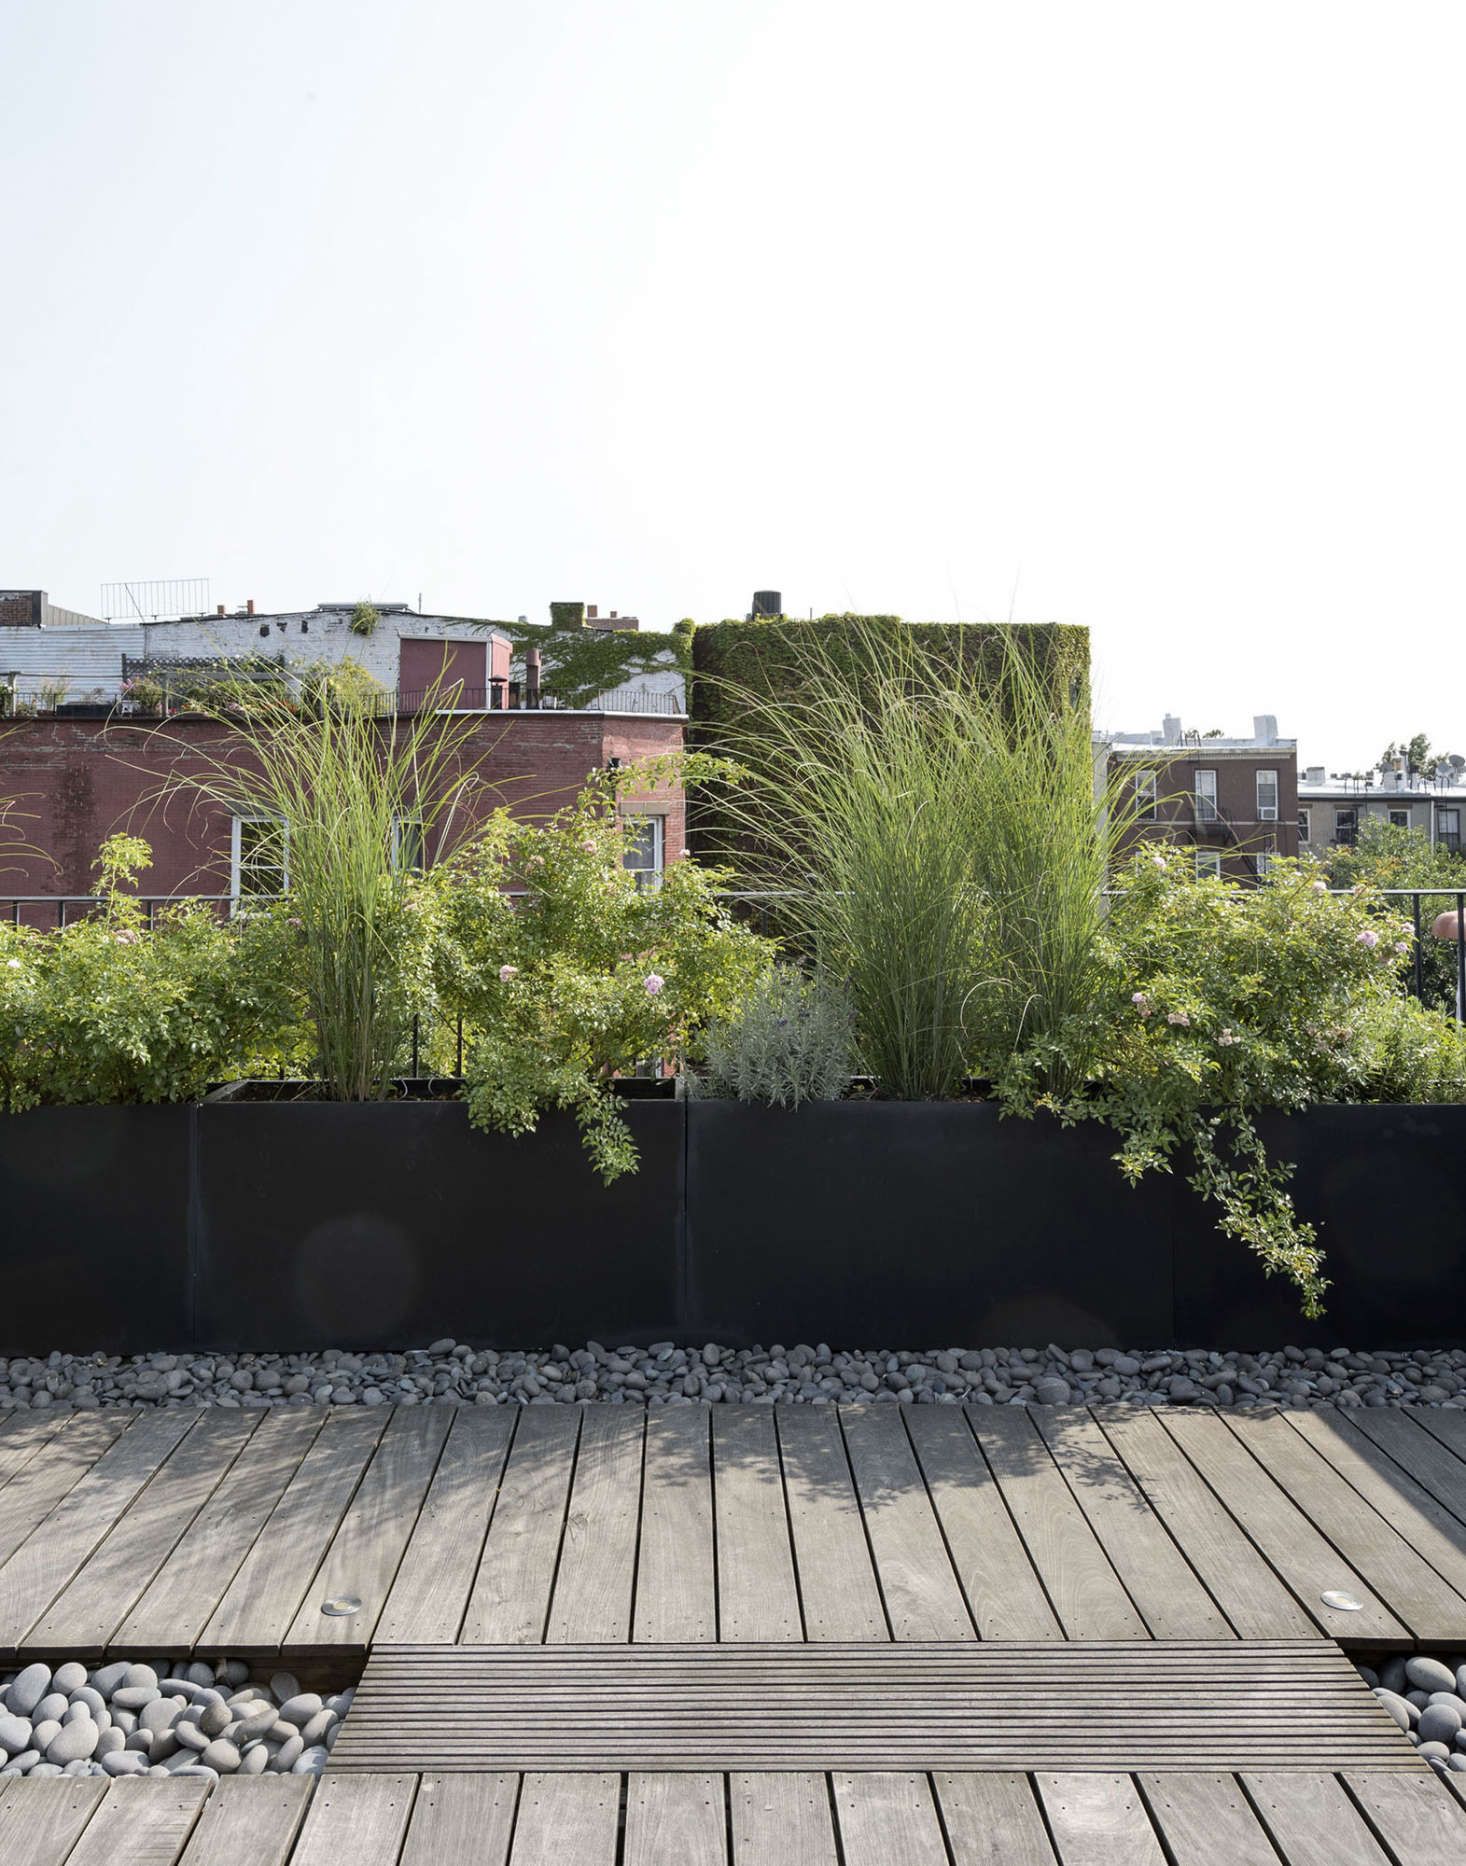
{"x":75,"y":782}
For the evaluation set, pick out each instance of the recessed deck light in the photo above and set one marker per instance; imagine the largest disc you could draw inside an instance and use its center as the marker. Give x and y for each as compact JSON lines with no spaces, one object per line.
{"x":1341,"y":1602}
{"x":341,"y":1606}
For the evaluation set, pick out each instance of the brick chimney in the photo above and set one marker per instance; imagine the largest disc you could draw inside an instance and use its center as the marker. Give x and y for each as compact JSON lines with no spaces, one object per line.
{"x":22,"y":608}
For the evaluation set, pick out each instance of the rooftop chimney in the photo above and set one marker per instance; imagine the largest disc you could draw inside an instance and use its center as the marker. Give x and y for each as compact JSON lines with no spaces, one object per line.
{"x":1171,"y":730}
{"x":1265,"y":728}
{"x":249,"y":607}
{"x":1314,"y":774}
{"x":591,"y":612}
{"x":767,"y":603}
{"x":219,"y":609}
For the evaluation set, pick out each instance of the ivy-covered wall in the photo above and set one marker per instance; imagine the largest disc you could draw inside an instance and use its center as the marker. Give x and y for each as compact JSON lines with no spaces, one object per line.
{"x":578,"y":662}
{"x":772,"y":656}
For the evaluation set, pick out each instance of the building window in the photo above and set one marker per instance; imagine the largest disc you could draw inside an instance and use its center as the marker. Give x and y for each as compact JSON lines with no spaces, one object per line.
{"x":1267,"y":796}
{"x":1399,"y":819}
{"x":409,"y":845}
{"x":1448,"y":826}
{"x":1209,"y":862}
{"x":1305,"y":826}
{"x":1206,"y":796}
{"x":644,"y":853}
{"x":1263,"y":861}
{"x":1144,"y":796}
{"x":259,"y":858}
{"x":1346,"y":826}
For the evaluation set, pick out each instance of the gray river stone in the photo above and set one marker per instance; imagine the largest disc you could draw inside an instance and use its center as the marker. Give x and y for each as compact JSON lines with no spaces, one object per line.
{"x":1428,"y":1674}
{"x":29,"y":1687}
{"x":74,"y":1742}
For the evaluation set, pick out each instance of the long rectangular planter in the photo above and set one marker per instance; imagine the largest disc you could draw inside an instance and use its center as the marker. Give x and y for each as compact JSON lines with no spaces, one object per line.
{"x":300,"y":1226}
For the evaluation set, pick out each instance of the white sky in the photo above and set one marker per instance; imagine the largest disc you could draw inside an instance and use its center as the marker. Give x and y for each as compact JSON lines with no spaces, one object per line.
{"x":1147,"y":316}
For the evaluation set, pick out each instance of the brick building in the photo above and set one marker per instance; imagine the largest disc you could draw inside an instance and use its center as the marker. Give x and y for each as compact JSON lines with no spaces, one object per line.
{"x":79,"y":763}
{"x":1232,"y":801}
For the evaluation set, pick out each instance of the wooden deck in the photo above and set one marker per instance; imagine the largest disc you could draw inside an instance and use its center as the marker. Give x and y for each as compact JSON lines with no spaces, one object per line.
{"x":219,"y":1531}
{"x":861,"y":1819}
{"x":797,"y":1530}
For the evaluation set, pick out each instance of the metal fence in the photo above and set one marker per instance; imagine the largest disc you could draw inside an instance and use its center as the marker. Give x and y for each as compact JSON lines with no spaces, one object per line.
{"x":759,"y":907}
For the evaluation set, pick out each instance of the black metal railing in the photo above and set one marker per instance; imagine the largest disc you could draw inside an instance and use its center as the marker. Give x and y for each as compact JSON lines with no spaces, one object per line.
{"x":764,"y":909}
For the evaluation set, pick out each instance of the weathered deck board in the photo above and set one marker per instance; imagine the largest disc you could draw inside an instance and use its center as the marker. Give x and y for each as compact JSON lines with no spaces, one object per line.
{"x":122,"y":1565}
{"x":676,"y":1820}
{"x":179,"y":1600}
{"x":884,"y":1817}
{"x":1233,"y":1571}
{"x":241,"y":1824}
{"x":510,"y":1599}
{"x":257,"y":1608}
{"x":1005,"y":1595}
{"x":1312,"y":1821}
{"x":781,"y":1817}
{"x":1302,"y":1556}
{"x":888,"y":1819}
{"x":1099,"y":1820}
{"x":953,"y":1705}
{"x":367,"y":1548}
{"x":757,"y":1595}
{"x":42,"y":1829}
{"x":597,"y":1573}
{"x":1401,"y":1577}
{"x":838,"y":1589}
{"x":433,"y":1583}
{"x":1206,"y":1820}
{"x":461,"y":1817}
{"x":993,"y":1820}
{"x":54,"y":1551}
{"x":1157,"y":1577}
{"x":676,"y":1579}
{"x":1076,"y":1572}
{"x":922,"y":1594}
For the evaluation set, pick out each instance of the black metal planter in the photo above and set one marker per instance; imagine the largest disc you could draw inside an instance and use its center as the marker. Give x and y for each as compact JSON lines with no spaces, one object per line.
{"x":301,"y":1226}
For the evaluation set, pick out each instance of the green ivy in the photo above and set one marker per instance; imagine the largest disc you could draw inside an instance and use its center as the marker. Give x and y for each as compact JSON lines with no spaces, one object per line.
{"x":577,"y":663}
{"x":364,"y":619}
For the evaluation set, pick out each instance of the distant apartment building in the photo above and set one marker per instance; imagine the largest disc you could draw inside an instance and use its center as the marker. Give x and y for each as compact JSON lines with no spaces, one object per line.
{"x":1231,"y":803}
{"x":1332,"y":810}
{"x":97,"y":719}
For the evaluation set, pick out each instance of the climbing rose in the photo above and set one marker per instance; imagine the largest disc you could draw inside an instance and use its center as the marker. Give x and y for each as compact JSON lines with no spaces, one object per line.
{"x":1402,"y":945}
{"x":1178,"y":1017}
{"x":653,"y":983}
{"x":589,"y":845}
{"x":506,"y":972}
{"x":1141,"y":1002}
{"x":126,"y":936}
{"x":1369,"y":937}
{"x":1320,"y":887}
{"x":1225,"y":1037}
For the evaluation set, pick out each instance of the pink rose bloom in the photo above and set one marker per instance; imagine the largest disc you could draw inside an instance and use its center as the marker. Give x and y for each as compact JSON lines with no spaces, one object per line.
{"x":1369,"y":937}
{"x":1402,"y":945}
{"x":1141,"y":1002}
{"x":653,"y":983}
{"x":125,"y":936}
{"x":1320,"y":887}
{"x":1226,"y":1038}
{"x":506,"y":972}
{"x":1158,"y":861}
{"x":1178,"y":1017}
{"x":589,"y":845}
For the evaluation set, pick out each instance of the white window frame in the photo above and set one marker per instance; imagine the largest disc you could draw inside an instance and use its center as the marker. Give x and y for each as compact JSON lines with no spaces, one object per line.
{"x":1208,"y":862}
{"x":1267,"y":812}
{"x":1145,"y":795}
{"x":1206,"y":797}
{"x":646,"y":877}
{"x":1305,"y":822}
{"x":1263,"y":855}
{"x":1341,"y":811}
{"x":236,"y":852}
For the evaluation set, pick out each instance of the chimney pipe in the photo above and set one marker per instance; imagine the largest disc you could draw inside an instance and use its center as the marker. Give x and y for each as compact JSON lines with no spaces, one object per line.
{"x":249,"y":607}
{"x":220,"y":609}
{"x":531,"y":676}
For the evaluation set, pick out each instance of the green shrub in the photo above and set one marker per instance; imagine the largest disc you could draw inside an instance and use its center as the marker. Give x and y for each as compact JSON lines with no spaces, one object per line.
{"x":568,"y":974}
{"x":106,"y":1010}
{"x":792,"y":1041}
{"x":1211,"y":1007}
